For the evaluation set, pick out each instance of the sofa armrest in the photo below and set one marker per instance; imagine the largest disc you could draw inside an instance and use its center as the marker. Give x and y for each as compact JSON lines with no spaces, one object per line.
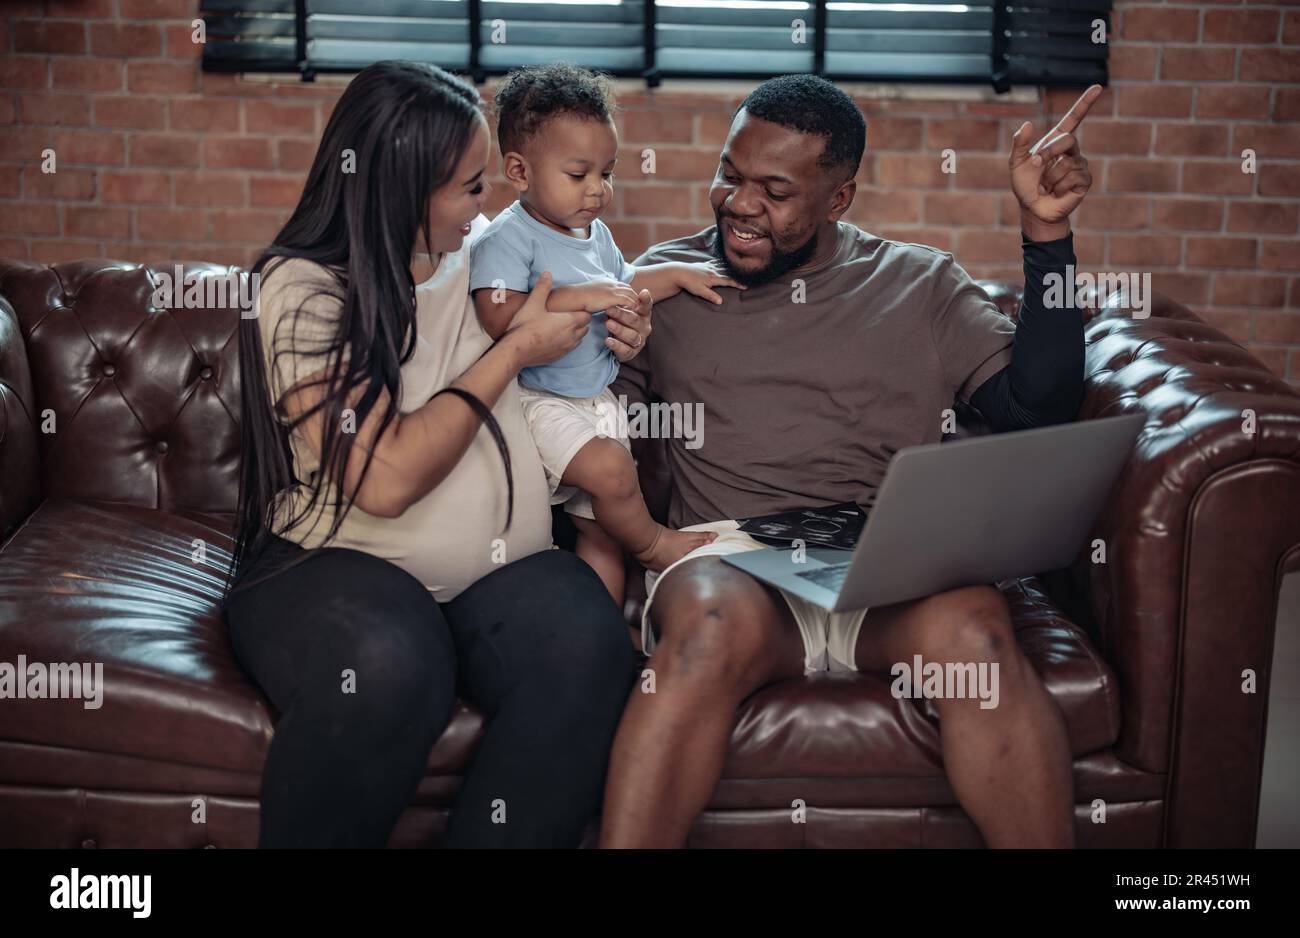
{"x":1199,"y":530}
{"x":19,"y":476}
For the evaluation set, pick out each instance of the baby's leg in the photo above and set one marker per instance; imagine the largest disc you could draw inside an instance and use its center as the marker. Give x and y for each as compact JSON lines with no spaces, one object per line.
{"x":605,"y":471}
{"x":603,"y":554}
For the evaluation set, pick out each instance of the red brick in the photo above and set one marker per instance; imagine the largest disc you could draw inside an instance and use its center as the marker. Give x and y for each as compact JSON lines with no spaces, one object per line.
{"x":1110,"y":136}
{"x":961,"y":135}
{"x":1191,"y":139}
{"x":1249,"y":290}
{"x":1217,"y":177}
{"x":1268,"y":217}
{"x":1240,"y":26}
{"x":892,"y":207}
{"x":1291,"y":28}
{"x":1277,"y":327}
{"x":1277,"y":179}
{"x":40,"y":108}
{"x":168,"y":224}
{"x":162,"y":77}
{"x":1272,"y":65}
{"x":74,"y":184}
{"x":1221,"y":252}
{"x":13,"y":249}
{"x":1197,"y":63}
{"x":1277,"y":254}
{"x":285,"y":191}
{"x":49,"y":38}
{"x":686,"y":164}
{"x":1058,"y":101}
{"x":130,"y":111}
{"x":1235,"y":101}
{"x":1236,"y":324}
{"x":180,"y":42}
{"x":1159,"y":23}
{"x":96,"y":147}
{"x":1187,"y":288}
{"x":293,"y":156}
{"x":960,"y":208}
{"x":894,"y":133}
{"x":94,"y":222}
{"x":36,"y":218}
{"x":918,"y":171}
{"x":713,"y":127}
{"x":221,"y":189}
{"x":1269,"y":141}
{"x":974,"y":170}
{"x":24,"y":73}
{"x":632,"y":237}
{"x":246,"y":225}
{"x":1188,"y":214}
{"x":1155,"y":101}
{"x":272,"y":117}
{"x":976,"y":246}
{"x":86,"y":74}
{"x":1133,"y":63}
{"x":215,"y":83}
{"x":639,"y":200}
{"x":11,"y":181}
{"x":205,"y":114}
{"x":237,"y":153}
{"x":135,"y":188}
{"x":26,"y":143}
{"x":1144,"y":250}
{"x":81,"y":9}
{"x":127,"y":39}
{"x":64,"y":251}
{"x":1140,"y":176}
{"x":157,"y":9}
{"x":1286,"y":105}
{"x":8,"y":112}
{"x":1104,"y":212}
{"x":656,"y":127}
{"x":163,"y":150}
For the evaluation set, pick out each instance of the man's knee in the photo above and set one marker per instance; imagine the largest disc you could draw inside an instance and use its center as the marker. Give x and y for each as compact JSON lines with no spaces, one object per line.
{"x":972,"y":624}
{"x":714,"y":621}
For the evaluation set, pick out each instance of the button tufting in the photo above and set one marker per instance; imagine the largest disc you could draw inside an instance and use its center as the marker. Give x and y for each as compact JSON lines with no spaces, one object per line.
{"x":161,"y":446}
{"x":110,"y":370}
{"x":205,"y":372}
{"x":89,"y":844}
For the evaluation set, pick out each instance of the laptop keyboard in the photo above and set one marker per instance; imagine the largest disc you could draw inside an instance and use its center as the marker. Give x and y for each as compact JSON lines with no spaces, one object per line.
{"x":831,"y":577}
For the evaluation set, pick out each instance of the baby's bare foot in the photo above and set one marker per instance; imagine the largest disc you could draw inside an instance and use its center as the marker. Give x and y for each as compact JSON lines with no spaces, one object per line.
{"x":670,"y":546}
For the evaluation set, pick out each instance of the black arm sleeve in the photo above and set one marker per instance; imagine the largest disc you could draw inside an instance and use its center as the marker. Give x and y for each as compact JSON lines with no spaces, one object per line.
{"x":1043,"y":385}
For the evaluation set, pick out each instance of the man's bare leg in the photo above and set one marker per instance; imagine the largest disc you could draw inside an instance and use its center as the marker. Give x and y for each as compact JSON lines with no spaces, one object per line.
{"x":723,"y":635}
{"x":1010,"y":766}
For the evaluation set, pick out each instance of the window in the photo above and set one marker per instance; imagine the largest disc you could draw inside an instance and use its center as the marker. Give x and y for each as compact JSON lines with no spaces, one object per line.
{"x":1038,"y":42}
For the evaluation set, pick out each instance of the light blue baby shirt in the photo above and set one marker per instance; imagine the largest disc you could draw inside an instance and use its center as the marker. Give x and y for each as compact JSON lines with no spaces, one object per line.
{"x":514,"y":251}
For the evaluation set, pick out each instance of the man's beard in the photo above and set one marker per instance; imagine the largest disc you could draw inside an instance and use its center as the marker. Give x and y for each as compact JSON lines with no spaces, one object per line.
{"x":779,"y":263}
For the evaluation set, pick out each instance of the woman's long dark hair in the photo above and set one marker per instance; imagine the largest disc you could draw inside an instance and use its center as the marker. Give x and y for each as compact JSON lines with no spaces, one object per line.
{"x":406,"y":127}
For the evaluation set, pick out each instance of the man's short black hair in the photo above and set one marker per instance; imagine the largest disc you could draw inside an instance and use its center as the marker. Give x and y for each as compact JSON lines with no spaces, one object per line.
{"x":529,"y":97}
{"x":813,"y":105}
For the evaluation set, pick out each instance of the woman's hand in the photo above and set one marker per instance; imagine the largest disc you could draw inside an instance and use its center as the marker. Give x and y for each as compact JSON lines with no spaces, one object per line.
{"x":538,"y":336}
{"x":629,"y":328}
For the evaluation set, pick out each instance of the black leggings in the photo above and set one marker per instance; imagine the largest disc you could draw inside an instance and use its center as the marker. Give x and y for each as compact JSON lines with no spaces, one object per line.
{"x":538,"y":645}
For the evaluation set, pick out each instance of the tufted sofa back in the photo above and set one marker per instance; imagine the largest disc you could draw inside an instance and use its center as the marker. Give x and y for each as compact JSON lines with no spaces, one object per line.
{"x":129,"y":402}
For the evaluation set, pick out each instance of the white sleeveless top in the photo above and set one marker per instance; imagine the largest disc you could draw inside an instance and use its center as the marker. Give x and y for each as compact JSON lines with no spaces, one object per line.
{"x":453,"y":535}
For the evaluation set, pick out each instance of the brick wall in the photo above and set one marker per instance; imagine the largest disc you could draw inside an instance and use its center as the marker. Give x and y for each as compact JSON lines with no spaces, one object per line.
{"x":158,"y":161}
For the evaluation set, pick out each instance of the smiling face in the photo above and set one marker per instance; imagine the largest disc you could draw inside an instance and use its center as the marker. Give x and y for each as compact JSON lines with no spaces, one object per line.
{"x":565,"y":174}
{"x":454,"y":206}
{"x":776,"y":206}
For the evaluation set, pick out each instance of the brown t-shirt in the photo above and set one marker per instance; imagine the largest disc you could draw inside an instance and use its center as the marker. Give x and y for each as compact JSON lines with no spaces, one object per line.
{"x":804,"y":403}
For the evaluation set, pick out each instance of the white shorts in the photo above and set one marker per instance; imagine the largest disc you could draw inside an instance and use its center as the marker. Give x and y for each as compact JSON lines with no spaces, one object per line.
{"x":563,"y":425}
{"x":829,"y":638}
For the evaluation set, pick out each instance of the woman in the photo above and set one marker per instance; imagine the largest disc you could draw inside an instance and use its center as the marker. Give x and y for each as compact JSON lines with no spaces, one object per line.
{"x":393,"y":546}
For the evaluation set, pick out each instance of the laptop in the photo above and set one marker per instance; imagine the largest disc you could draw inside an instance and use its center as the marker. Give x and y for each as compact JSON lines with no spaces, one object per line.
{"x":964,"y":513}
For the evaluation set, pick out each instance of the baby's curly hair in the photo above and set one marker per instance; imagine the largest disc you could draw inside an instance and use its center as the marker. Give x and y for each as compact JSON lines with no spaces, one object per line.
{"x":529,"y":97}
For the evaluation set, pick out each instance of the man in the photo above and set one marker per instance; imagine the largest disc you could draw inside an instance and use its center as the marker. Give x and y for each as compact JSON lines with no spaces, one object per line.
{"x":843,"y":349}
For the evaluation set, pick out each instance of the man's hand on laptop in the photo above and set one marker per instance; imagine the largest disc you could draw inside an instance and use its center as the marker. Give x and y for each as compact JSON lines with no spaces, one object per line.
{"x":1050,"y":177}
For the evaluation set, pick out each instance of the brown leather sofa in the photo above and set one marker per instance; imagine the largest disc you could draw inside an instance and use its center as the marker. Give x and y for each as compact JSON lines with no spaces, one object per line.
{"x":115,"y":529}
